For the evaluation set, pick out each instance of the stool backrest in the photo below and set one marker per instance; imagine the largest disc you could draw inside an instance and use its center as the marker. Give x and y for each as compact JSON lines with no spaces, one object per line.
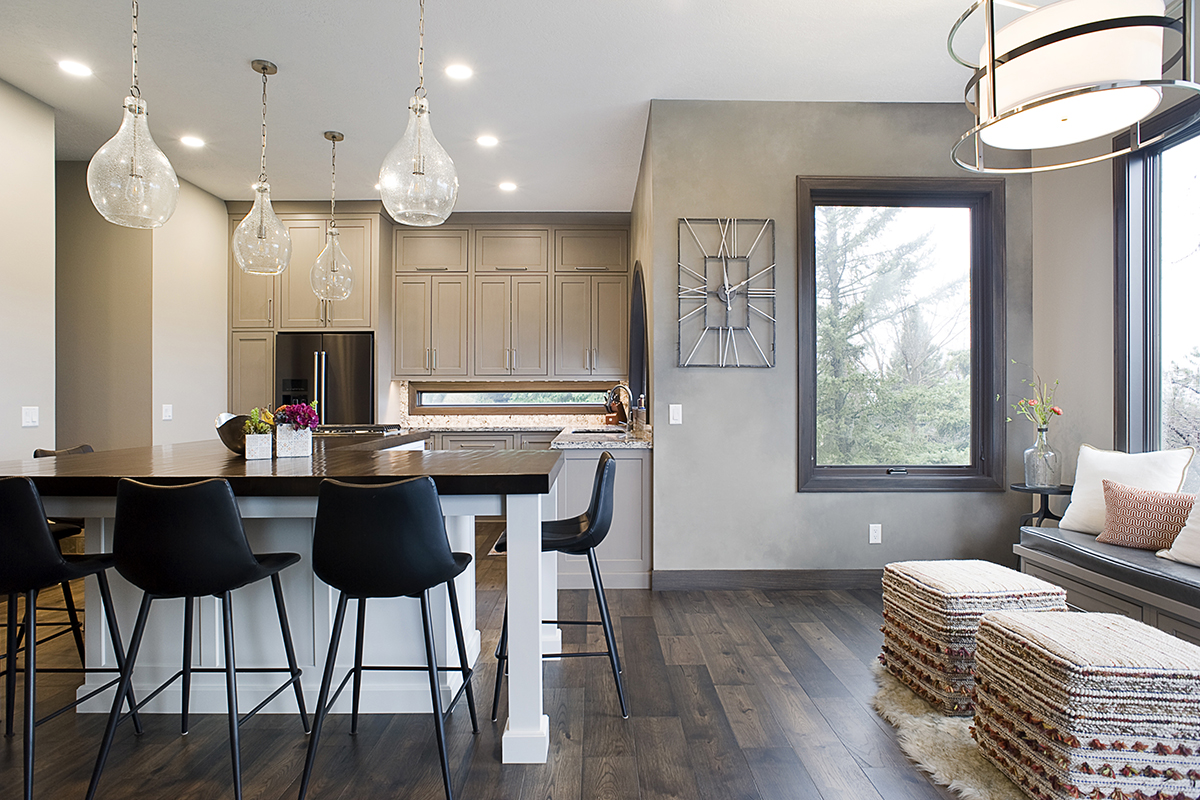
{"x":381,"y":540}
{"x":29,"y":556}
{"x":181,"y":541}
{"x":69,"y":451}
{"x":600,"y":510}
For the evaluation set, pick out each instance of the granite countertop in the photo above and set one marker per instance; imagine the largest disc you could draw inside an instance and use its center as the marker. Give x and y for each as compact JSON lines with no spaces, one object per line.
{"x":601,"y":437}
{"x":493,"y":428}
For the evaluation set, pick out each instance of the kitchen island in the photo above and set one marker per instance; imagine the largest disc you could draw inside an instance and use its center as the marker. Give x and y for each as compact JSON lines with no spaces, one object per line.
{"x":277,"y":499}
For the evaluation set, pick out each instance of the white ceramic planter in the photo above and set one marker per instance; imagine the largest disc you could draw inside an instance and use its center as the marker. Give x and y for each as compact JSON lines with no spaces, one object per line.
{"x":292,"y":442}
{"x":258,"y":445}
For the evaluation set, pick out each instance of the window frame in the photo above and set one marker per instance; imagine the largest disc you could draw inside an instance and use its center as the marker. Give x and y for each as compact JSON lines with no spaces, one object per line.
{"x":415,"y":388}
{"x":1137,"y":317}
{"x":986,"y":198}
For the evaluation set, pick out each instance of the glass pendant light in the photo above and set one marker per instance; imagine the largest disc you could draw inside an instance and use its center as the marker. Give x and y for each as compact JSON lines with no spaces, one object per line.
{"x":418,"y":182}
{"x":129,"y":179}
{"x":331,"y":276}
{"x":261,"y":244}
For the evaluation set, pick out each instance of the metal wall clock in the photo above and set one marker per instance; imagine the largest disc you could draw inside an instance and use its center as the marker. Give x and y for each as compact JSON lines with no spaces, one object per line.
{"x":726,"y":292}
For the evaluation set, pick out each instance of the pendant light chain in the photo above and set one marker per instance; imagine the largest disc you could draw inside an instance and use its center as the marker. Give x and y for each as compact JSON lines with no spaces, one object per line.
{"x":262,"y":175}
{"x":134,"y":91}
{"x":333,"y":187}
{"x":420,"y":91}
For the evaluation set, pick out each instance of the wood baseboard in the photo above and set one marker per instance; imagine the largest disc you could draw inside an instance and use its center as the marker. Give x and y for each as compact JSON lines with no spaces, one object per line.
{"x":777,"y":579}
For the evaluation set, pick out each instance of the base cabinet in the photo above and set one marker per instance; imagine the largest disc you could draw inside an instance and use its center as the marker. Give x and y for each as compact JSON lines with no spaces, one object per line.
{"x":251,"y":370}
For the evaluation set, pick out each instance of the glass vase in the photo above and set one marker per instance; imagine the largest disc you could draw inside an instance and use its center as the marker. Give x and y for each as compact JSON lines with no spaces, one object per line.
{"x":1043,"y":465}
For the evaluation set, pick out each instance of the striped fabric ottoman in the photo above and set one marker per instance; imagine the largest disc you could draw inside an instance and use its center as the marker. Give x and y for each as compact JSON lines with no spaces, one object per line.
{"x":931,"y":610}
{"x":1088,"y":705}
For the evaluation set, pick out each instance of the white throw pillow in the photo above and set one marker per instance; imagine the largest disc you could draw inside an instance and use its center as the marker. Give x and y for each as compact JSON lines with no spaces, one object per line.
{"x":1186,"y":547}
{"x":1161,"y":471}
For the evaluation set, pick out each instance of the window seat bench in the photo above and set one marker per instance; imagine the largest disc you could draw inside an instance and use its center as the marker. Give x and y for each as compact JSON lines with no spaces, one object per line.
{"x":1112,"y":579}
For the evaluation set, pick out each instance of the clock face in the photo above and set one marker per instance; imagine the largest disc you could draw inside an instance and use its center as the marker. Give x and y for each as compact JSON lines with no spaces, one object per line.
{"x":726,"y":293}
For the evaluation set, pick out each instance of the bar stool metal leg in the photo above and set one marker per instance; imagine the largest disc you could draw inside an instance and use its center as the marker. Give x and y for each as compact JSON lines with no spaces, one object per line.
{"x":289,"y":649}
{"x":186,"y":683}
{"x":114,"y":633}
{"x":10,"y":667}
{"x":235,"y":749}
{"x":462,"y":654}
{"x":30,"y":687}
{"x":335,"y":638}
{"x":435,"y":691}
{"x":502,"y":663}
{"x":73,"y":616}
{"x":609,"y":637}
{"x":358,"y":668}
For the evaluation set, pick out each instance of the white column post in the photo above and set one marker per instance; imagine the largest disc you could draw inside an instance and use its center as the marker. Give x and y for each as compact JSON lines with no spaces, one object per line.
{"x":526,"y":737}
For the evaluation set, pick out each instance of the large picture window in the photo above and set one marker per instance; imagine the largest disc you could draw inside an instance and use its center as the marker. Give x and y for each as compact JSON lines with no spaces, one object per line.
{"x":1158,"y":281}
{"x":901,"y":337}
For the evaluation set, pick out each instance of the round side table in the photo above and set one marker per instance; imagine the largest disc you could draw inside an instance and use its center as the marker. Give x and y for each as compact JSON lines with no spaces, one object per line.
{"x":1044,"y":513}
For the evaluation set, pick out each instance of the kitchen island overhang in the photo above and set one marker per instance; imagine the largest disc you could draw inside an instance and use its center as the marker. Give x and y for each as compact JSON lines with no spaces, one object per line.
{"x":277,"y":499}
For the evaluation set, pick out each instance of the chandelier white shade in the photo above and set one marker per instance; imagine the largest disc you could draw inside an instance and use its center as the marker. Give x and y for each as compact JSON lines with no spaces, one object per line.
{"x":1069,"y":72}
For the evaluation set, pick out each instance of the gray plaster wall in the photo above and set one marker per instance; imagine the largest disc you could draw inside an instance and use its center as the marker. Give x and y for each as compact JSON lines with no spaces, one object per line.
{"x":725,"y":480}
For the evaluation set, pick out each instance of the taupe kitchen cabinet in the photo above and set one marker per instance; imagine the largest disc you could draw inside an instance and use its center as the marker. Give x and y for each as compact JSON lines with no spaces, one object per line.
{"x":431,"y":251}
{"x":286,"y":301}
{"x":512,"y":250}
{"x":591,"y":251}
{"x":251,"y":370}
{"x":625,"y":554}
{"x":511,"y":330}
{"x":431,"y":314}
{"x":477,"y":441}
{"x":535,"y":440}
{"x":591,"y":325}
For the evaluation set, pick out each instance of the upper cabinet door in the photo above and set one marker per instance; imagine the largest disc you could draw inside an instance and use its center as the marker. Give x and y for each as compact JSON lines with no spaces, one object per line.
{"x":432,"y":251}
{"x":572,"y":325}
{"x":610,"y":326}
{"x":530,"y":328}
{"x":448,"y":323}
{"x":252,"y":301}
{"x":301,"y":308}
{"x":412,"y":355}
{"x":512,"y":251}
{"x":358,"y":241}
{"x":492,"y":338}
{"x":591,"y":251}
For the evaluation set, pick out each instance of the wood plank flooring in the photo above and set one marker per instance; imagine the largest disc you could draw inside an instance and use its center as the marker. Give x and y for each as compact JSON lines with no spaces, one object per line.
{"x":733,"y":695}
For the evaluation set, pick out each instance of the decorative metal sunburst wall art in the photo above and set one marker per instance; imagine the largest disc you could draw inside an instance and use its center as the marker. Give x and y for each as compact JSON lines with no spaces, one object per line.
{"x":726,"y":292}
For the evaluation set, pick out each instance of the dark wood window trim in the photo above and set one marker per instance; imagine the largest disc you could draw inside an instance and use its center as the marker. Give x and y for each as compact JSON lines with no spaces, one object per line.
{"x":1136,"y":400}
{"x":985,"y":196}
{"x":415,"y":388}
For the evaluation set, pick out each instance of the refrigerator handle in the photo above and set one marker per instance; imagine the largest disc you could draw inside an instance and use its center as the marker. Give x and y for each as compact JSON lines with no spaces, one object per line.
{"x":321,"y":405}
{"x":316,"y":388}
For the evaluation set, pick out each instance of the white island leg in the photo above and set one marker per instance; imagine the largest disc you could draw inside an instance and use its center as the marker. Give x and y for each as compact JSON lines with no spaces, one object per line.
{"x":526,"y":737}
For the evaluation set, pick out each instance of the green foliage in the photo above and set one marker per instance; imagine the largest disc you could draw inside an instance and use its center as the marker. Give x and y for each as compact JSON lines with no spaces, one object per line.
{"x":890,"y":391}
{"x":260,"y":421}
{"x":1181,"y":403}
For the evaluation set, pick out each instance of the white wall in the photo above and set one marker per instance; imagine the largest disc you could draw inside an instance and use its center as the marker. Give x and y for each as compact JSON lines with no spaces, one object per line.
{"x":26,"y":272}
{"x":190,"y":315}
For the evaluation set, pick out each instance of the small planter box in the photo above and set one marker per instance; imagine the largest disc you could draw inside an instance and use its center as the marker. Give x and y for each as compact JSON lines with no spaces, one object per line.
{"x":291,"y":442}
{"x":258,"y":445}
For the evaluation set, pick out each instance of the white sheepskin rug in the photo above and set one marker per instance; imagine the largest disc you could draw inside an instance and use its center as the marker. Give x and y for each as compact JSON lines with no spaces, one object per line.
{"x":940,"y":745}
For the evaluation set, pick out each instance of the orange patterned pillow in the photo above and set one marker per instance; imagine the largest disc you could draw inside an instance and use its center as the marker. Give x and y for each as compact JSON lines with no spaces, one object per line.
{"x":1143,"y":518}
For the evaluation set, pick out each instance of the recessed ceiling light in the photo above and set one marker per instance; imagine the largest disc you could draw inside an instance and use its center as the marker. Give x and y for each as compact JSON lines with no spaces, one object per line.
{"x":459,"y":72}
{"x":192,"y":141}
{"x":74,"y":68}
{"x":488,"y":141}
{"x":508,"y":186}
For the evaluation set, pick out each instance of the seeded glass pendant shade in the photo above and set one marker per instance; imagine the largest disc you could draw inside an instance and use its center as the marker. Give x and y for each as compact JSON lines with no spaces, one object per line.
{"x":129,"y":179}
{"x":331,"y":276}
{"x":261,"y":244}
{"x":418,"y":182}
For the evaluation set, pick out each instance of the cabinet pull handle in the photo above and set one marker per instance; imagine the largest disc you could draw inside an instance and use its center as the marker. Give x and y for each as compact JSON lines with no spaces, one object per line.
{"x":270,"y":311}
{"x":432,"y":269}
{"x":601,"y":268}
{"x":595,"y":359}
{"x":426,"y":358}
{"x":587,"y":359}
{"x":511,"y":269}
{"x":435,"y":359}
{"x":514,"y":363}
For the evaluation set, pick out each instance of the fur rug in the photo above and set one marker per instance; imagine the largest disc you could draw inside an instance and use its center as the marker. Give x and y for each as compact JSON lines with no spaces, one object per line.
{"x":940,"y":745}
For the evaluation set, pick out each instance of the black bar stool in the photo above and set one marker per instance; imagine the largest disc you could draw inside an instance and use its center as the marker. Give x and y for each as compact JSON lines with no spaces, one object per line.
{"x":30,"y":561}
{"x":386,"y":540}
{"x":188,"y":542}
{"x":577,"y":536}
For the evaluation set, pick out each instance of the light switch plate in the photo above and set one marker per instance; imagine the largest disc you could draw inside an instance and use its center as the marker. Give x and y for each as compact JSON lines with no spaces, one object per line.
{"x":29,"y":416}
{"x":675,"y":413}
{"x":168,"y":412}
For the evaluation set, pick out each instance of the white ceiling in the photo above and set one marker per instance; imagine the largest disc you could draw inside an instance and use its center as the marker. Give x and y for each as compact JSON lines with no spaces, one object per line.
{"x":564,"y":84}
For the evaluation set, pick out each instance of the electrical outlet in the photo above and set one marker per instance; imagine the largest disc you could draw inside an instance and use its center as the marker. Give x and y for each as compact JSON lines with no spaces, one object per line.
{"x":875,"y":533}
{"x":675,"y":413}
{"x":29,"y":416}
{"x":168,"y":412}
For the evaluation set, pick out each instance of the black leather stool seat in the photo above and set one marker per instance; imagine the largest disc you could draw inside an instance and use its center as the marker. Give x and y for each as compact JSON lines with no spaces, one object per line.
{"x":386,"y":540}
{"x":188,"y":542}
{"x":30,"y":561}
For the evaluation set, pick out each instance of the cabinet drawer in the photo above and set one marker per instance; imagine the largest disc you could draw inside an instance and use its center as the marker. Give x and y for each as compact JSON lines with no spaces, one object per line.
{"x":431,"y":251}
{"x":591,"y":251}
{"x":1188,"y":631}
{"x":512,"y":251}
{"x":477,"y":441}
{"x":535,"y":440}
{"x":1084,"y":597}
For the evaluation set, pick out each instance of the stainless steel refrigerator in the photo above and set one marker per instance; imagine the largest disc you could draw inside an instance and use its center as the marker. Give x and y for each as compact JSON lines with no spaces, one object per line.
{"x":337,"y":370}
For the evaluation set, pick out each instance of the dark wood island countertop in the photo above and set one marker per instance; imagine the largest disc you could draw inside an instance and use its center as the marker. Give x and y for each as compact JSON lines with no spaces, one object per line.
{"x":362,"y":459}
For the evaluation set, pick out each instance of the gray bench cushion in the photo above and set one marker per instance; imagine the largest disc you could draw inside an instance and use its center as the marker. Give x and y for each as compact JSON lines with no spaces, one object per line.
{"x":1141,"y":568}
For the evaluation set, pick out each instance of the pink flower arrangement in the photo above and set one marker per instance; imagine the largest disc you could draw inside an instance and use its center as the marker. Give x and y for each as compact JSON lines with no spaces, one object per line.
{"x":1040,"y":408}
{"x":299,"y":415}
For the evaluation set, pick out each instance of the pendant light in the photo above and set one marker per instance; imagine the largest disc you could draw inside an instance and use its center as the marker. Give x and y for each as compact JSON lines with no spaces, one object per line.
{"x":418,"y":182}
{"x":261,"y":244}
{"x":129,"y":179}
{"x":1069,"y":72}
{"x":332,"y":277}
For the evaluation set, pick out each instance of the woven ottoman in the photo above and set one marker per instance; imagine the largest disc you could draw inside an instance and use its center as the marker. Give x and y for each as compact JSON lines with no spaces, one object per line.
{"x":1088,"y":705}
{"x":931,"y":610}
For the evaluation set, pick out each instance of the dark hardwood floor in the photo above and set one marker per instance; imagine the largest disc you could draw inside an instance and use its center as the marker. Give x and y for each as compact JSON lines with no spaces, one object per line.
{"x":746,"y":695}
